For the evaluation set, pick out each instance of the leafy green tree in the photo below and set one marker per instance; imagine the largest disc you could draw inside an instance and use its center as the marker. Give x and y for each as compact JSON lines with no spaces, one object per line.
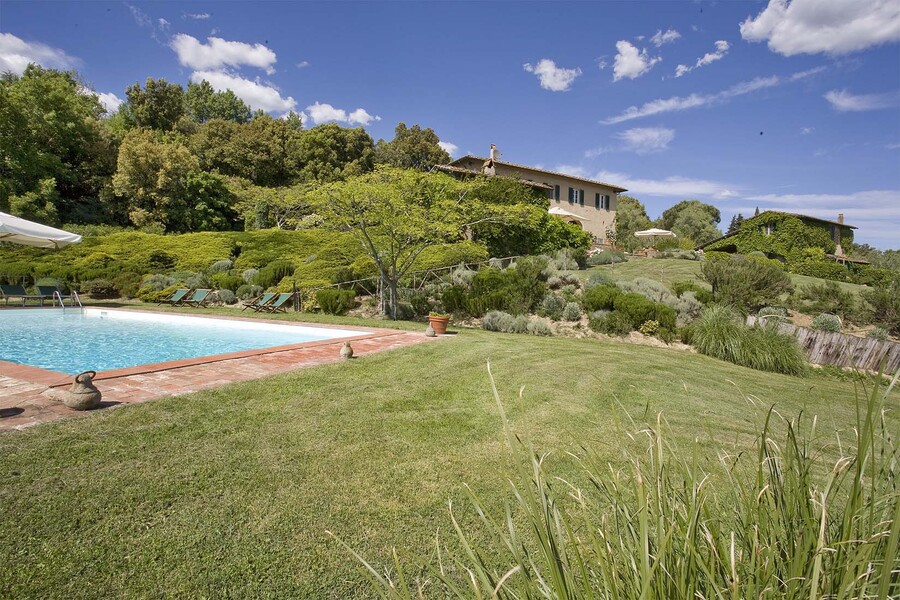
{"x":203,"y":103}
{"x":332,"y":153}
{"x":153,"y":176}
{"x":50,"y":129}
{"x":159,"y":105}
{"x":264,"y":207}
{"x":210,"y":204}
{"x":396,"y":214}
{"x":39,"y":205}
{"x":631,"y":216}
{"x":411,"y":148}
{"x":694,"y":223}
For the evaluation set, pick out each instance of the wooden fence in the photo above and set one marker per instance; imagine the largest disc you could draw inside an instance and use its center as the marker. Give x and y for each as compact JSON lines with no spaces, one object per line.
{"x":826,"y":348}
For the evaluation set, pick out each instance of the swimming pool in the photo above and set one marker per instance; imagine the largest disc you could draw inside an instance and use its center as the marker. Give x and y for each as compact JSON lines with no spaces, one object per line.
{"x":72,"y":341}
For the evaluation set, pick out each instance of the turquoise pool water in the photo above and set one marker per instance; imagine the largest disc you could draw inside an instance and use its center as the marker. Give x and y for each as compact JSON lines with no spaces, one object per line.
{"x":71,"y":341}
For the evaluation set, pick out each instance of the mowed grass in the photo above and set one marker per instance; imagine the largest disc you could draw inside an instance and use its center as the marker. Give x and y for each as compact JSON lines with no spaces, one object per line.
{"x":673,"y":270}
{"x":229,"y":492}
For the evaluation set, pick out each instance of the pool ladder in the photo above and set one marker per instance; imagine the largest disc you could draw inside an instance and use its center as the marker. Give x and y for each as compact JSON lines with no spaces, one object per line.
{"x":73,"y":297}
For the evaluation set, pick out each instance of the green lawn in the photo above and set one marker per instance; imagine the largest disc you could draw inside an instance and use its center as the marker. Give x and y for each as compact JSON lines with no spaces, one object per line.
{"x":229,"y":492}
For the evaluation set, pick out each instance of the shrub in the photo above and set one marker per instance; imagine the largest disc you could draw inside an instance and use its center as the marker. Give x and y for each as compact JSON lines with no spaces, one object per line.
{"x":686,"y":334}
{"x":221,"y":266}
{"x":333,"y":301}
{"x":552,"y":307}
{"x":226,"y":296}
{"x":157,"y":282}
{"x":827,"y":322}
{"x":462,"y":277}
{"x":129,"y":284}
{"x":666,"y":335}
{"x":565,"y":259}
{"x":703,"y":295}
{"x":197,"y":280}
{"x":720,"y":333}
{"x":600,"y":297}
{"x":639,"y":309}
{"x":249,"y":275}
{"x":246,"y":292}
{"x":606,"y":257}
{"x":563,"y":279}
{"x":649,"y":328}
{"x":572,"y":312}
{"x":827,"y":297}
{"x":599,"y":278}
{"x":614,"y":323}
{"x":879,"y":333}
{"x":884,"y":306}
{"x":99,"y":288}
{"x":538,"y":326}
{"x":225,"y":281}
{"x":274,"y":272}
{"x":159,"y":261}
{"x":746,"y":284}
{"x":772,"y":311}
{"x":496,"y":320}
{"x":453,"y":298}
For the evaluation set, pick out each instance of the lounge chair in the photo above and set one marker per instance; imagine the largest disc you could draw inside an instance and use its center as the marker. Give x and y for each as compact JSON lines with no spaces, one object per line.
{"x":259,"y":302}
{"x":198,"y":298}
{"x":8,"y":292}
{"x":50,"y":291}
{"x":176,"y":298}
{"x":279,"y":303}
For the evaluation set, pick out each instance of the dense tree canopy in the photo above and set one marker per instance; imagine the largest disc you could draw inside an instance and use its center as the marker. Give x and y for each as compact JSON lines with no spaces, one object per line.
{"x":332,"y":153}
{"x":411,"y":148}
{"x":203,"y":103}
{"x":631,"y":216}
{"x":158,"y":105}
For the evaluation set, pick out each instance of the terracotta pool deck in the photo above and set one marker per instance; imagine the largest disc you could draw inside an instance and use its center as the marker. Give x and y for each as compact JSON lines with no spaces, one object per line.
{"x":26,"y":392}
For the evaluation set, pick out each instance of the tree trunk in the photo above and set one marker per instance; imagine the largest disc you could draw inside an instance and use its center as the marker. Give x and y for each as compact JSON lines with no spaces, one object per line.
{"x":394,"y":299}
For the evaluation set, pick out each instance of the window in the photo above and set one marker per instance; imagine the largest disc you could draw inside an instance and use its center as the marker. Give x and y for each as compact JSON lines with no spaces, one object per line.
{"x":571,"y":195}
{"x":556,"y":193}
{"x":598,"y":201}
{"x":606,"y":198}
{"x":581,"y":197}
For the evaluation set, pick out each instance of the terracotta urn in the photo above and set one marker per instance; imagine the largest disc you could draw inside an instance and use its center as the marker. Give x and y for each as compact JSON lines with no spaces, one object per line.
{"x":83,"y":395}
{"x":439,"y":323}
{"x":346,"y":351}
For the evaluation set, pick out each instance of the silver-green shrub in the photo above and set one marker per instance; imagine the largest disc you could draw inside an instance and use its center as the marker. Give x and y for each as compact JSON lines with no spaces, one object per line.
{"x":226,"y":296}
{"x":827,"y":322}
{"x":552,"y":306}
{"x":879,"y":333}
{"x":772,"y":311}
{"x":539,"y":326}
{"x":249,"y":275}
{"x":157,"y":283}
{"x":221,"y":266}
{"x":571,"y":312}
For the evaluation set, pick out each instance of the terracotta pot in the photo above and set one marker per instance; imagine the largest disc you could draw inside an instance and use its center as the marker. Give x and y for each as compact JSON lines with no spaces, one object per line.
{"x":439,"y":324}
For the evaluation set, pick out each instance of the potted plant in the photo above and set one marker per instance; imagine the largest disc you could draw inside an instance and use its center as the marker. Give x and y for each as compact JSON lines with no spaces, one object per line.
{"x":438,"y":322}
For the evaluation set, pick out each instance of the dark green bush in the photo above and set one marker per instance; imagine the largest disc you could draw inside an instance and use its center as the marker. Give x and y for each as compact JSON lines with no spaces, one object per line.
{"x":225,"y":281}
{"x":128,"y":284}
{"x":274,"y":272}
{"x":614,"y":323}
{"x":453,"y":298}
{"x":702,"y":294}
{"x":639,"y":309}
{"x":606,"y":257}
{"x":827,"y":297}
{"x":686,"y":334}
{"x":600,"y":297}
{"x":99,"y":288}
{"x":333,"y":301}
{"x":666,"y":335}
{"x":884,"y":306}
{"x":159,"y":261}
{"x":746,"y":283}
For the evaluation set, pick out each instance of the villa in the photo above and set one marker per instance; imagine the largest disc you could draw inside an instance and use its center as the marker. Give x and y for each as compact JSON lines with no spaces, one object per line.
{"x":584,"y":202}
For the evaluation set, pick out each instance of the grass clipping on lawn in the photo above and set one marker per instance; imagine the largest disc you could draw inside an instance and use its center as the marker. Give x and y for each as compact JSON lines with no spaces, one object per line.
{"x":777,"y":523}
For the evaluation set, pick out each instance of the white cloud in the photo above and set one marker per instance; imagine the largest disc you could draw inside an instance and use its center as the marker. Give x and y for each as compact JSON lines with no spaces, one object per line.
{"x":322,"y":113}
{"x":553,"y":78}
{"x":646,"y":140}
{"x":163,"y":24}
{"x":110,"y":101}
{"x":220,"y":53}
{"x":710,"y":57}
{"x":678,"y":103}
{"x":813,"y":26}
{"x":844,"y":101}
{"x":631,"y":62}
{"x":16,"y":53}
{"x":302,"y":64}
{"x":573,"y":170}
{"x":807,"y":130}
{"x":449,"y":148}
{"x":197,"y":16}
{"x":875,"y":212}
{"x":254,"y":93}
{"x":895,"y":146}
{"x":675,"y":186}
{"x":667,"y":37}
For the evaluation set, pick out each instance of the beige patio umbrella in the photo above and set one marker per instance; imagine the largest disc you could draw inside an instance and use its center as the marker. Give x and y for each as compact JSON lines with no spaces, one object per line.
{"x":22,"y":231}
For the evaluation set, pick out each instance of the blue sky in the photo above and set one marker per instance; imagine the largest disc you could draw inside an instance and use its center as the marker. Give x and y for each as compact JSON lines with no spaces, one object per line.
{"x":791,"y":106}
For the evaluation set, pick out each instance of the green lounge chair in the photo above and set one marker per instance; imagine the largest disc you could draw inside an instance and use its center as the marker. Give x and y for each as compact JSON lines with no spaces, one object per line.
{"x":176,"y":298}
{"x":259,"y":302}
{"x":50,"y":291}
{"x":279,"y":304}
{"x":8,"y":292}
{"x":198,"y":298}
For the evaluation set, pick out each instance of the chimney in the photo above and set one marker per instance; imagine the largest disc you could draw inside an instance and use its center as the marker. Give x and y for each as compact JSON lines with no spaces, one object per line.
{"x":841,"y":218}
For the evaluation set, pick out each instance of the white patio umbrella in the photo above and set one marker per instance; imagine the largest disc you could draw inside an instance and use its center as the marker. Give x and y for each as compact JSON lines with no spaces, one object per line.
{"x":561,"y":212}
{"x":22,"y":231}
{"x":653,"y":234}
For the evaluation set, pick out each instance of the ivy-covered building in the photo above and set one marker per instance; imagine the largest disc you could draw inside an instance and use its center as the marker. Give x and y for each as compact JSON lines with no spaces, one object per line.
{"x":788,"y":237}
